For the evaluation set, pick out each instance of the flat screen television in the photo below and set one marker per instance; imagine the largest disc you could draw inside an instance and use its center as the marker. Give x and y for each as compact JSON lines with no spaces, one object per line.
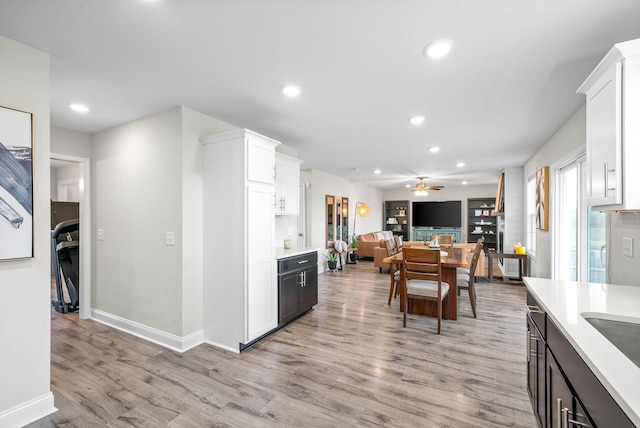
{"x":436,"y":214}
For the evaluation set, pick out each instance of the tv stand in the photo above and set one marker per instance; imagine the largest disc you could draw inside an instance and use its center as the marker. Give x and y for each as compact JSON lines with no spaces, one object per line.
{"x":424,"y":233}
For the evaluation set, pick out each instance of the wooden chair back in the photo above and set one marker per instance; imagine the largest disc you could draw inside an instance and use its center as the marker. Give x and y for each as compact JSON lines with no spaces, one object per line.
{"x":470,"y":283}
{"x":399,"y":242}
{"x":422,"y":264}
{"x":390,"y":245}
{"x":424,"y":267}
{"x":474,"y":259}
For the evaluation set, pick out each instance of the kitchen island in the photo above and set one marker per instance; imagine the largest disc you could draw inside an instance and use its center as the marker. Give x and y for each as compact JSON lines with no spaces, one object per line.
{"x":568,"y":305}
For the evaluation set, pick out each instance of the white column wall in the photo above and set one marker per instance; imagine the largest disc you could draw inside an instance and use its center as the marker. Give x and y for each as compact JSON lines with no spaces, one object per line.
{"x":194,"y":126}
{"x":569,"y":139}
{"x":25,"y":284}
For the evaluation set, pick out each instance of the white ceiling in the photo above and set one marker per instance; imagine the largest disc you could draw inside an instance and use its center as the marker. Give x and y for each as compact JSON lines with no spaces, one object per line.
{"x":508,"y":84}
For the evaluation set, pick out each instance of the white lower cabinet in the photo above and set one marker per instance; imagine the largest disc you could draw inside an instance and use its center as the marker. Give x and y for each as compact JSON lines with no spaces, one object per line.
{"x":240,"y":283}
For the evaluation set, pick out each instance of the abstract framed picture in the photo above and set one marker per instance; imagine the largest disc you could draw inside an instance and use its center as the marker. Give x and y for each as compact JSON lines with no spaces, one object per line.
{"x":542,"y":198}
{"x":16,"y":184}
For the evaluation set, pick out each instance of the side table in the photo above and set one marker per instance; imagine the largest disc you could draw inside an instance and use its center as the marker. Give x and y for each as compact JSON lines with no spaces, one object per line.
{"x":523,"y":263}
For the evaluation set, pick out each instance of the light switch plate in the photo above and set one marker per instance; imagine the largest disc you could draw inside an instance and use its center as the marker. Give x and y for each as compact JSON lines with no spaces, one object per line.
{"x":627,"y":247}
{"x":171,"y":238}
{"x":100,"y":235}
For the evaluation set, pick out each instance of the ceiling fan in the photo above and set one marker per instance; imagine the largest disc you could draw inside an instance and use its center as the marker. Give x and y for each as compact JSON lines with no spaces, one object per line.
{"x":420,"y":189}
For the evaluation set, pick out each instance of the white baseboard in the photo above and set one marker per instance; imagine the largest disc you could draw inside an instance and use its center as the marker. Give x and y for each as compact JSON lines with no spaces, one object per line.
{"x":221,"y":346}
{"x":162,"y":338}
{"x":28,"y":412}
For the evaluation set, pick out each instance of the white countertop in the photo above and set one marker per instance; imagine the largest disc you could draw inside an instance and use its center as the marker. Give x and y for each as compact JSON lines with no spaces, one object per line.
{"x":281,"y":253}
{"x":565,"y":301}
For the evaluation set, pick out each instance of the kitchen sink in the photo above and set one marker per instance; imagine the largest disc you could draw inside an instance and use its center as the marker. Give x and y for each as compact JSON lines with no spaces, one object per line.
{"x":623,"y":332}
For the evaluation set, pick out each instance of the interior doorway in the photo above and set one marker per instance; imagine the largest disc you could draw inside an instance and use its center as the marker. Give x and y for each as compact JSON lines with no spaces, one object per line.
{"x":74,"y":186}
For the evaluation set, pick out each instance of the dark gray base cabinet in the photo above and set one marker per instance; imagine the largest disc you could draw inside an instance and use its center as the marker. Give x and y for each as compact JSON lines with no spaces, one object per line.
{"x":297,"y":286}
{"x":563,"y":390}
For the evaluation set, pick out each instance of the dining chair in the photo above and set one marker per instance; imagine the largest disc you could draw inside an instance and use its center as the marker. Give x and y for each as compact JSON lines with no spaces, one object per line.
{"x":422,"y":271}
{"x":394,"y":269}
{"x":442,"y":239}
{"x":467,"y":280}
{"x":399,"y":242}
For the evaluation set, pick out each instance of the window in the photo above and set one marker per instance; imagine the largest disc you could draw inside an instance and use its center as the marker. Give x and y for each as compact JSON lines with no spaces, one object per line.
{"x":579,"y":232}
{"x":531,"y":216}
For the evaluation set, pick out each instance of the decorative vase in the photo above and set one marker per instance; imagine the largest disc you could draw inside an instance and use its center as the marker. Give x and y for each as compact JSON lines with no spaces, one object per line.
{"x":353,"y":256}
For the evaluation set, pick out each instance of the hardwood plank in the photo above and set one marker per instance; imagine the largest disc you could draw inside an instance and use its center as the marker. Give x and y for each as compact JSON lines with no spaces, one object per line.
{"x":346,"y":363}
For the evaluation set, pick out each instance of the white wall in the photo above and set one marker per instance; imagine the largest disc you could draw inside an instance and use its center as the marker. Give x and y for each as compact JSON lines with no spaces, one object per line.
{"x":623,"y":269}
{"x":25,"y":284}
{"x":322,"y":184}
{"x":67,"y":142}
{"x":67,"y":174}
{"x":137,"y":198}
{"x":566,"y":142}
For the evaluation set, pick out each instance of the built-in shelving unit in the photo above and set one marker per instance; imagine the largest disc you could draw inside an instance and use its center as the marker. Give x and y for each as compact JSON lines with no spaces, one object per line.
{"x":396,"y":218}
{"x":481,"y":221}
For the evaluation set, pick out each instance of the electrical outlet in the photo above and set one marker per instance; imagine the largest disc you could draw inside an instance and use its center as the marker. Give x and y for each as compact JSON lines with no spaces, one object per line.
{"x":627,"y":247}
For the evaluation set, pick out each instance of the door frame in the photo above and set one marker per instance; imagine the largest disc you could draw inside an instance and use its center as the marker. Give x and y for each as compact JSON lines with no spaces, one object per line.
{"x":84,"y":177}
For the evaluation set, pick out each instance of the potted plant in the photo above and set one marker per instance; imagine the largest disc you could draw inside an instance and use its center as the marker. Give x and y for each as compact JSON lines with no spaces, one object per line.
{"x":332,"y":260}
{"x":353,"y":244}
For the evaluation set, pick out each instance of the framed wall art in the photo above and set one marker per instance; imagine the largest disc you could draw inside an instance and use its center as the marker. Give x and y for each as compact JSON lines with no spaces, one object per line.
{"x":16,"y":184}
{"x":542,"y":198}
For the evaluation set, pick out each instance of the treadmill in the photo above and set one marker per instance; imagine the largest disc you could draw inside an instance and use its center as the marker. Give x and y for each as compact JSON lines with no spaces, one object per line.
{"x":65,"y":246}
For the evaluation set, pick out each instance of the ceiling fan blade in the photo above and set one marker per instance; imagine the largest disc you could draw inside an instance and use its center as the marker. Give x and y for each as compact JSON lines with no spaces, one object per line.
{"x":434,"y":187}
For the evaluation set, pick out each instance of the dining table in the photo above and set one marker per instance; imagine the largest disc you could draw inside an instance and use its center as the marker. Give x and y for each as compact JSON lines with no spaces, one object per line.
{"x":451,"y":258}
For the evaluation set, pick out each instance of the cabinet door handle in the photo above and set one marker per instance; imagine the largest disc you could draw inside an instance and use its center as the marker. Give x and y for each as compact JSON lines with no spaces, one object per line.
{"x":563,"y":414}
{"x":575,"y":423}
{"x":534,"y":309}
{"x":560,"y":413}
{"x":606,"y":179}
{"x":530,"y":351}
{"x":303,"y":261}
{"x":274,"y":200}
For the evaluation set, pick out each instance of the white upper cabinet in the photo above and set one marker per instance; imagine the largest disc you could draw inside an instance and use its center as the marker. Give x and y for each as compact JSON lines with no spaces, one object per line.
{"x":613,"y":129}
{"x":287,"y":185}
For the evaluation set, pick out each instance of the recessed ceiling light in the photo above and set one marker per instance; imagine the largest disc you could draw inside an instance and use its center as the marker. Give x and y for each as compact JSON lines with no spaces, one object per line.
{"x":434,"y":149}
{"x":464,"y":182}
{"x":407,"y":185}
{"x":79,"y":108}
{"x":291,"y":91}
{"x":417,"y":120}
{"x":460,"y":164}
{"x":438,"y":49}
{"x":377,"y":171}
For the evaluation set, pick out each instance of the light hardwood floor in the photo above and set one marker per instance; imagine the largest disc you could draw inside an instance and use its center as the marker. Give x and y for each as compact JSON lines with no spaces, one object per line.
{"x":347,"y":363}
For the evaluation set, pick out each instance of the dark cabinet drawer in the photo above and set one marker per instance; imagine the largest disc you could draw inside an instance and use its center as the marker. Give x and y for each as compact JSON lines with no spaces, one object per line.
{"x":301,"y":261}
